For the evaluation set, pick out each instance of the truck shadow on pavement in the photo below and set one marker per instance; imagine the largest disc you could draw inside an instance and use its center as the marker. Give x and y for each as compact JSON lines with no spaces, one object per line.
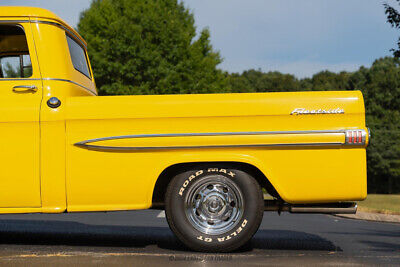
{"x":37,"y":232}
{"x":376,"y":245}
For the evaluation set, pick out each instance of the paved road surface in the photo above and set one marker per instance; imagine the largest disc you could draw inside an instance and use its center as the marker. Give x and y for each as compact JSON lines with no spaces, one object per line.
{"x":142,"y":238}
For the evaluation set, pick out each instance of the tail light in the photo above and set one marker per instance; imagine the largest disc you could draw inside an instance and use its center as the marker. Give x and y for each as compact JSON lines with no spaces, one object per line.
{"x":356,"y":137}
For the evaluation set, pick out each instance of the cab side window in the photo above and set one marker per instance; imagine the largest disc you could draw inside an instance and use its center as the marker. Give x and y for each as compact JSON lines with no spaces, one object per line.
{"x":78,"y":57}
{"x":15,"y":61}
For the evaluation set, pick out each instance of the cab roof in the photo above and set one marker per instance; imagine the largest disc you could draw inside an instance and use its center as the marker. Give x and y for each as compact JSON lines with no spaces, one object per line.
{"x":35,"y":13}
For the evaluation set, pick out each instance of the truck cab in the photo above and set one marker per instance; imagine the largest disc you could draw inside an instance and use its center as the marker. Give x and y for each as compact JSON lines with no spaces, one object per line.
{"x":40,"y":56}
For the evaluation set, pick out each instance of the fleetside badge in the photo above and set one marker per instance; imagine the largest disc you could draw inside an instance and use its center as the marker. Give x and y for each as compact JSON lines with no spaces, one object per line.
{"x":303,"y":111}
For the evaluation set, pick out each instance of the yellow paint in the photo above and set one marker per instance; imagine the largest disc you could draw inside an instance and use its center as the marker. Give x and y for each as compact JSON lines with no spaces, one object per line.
{"x":19,"y":139}
{"x":48,"y":173}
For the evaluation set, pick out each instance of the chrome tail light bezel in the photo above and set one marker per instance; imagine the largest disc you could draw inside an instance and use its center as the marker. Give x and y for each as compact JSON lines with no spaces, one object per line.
{"x":356,"y":137}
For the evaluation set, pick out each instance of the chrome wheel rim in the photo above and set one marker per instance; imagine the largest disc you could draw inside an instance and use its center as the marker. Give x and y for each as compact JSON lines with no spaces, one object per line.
{"x":214,"y":205}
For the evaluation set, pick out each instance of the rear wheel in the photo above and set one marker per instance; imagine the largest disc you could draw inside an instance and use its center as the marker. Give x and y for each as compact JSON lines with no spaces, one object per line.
{"x":214,"y":209}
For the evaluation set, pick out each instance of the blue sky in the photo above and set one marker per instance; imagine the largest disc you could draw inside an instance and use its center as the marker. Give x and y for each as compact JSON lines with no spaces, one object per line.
{"x":300,"y":37}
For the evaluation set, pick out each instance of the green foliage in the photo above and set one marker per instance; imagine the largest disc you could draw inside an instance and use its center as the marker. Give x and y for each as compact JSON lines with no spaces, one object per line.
{"x":149,"y":47}
{"x":393,"y":18}
{"x":380,"y":85}
{"x":327,"y":81}
{"x":258,"y":81}
{"x":381,"y":88}
{"x":10,"y":71}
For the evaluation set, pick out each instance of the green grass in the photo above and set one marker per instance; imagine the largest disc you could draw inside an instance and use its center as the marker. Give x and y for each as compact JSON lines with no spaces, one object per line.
{"x":389,"y":204}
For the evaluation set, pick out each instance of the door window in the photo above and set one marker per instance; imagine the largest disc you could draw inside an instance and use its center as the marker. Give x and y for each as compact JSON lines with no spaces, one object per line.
{"x":15,"y":61}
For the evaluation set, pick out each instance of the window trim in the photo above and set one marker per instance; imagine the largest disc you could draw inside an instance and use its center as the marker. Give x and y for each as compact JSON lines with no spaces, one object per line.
{"x":84,"y":51}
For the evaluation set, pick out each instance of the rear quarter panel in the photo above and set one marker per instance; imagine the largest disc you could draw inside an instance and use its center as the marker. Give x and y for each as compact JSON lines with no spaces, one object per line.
{"x":120,"y":179}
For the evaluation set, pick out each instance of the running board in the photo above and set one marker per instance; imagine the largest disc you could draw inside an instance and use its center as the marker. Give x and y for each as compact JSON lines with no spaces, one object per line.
{"x":328,"y":208}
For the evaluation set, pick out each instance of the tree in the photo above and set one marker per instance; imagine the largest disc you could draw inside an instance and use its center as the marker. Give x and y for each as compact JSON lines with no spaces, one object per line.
{"x":393,"y":17}
{"x":380,"y":85}
{"x":328,"y":81}
{"x":149,"y":47}
{"x":258,"y":81}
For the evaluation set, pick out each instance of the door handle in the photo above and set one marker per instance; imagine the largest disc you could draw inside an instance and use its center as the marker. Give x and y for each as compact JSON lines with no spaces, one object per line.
{"x":24,"y":88}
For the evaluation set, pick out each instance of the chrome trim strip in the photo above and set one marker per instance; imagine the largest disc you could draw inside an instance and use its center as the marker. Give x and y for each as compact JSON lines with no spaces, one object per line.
{"x":62,"y":27}
{"x":94,"y":147}
{"x":69,"y":81}
{"x":85,"y":144}
{"x":208,"y":134}
{"x":46,"y":22}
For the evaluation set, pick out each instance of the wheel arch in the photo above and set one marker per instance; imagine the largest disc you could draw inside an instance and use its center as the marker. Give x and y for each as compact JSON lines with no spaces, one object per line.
{"x":160,"y":188}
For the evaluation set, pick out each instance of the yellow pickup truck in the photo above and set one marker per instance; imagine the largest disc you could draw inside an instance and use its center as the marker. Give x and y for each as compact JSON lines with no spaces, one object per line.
{"x":207,"y":159}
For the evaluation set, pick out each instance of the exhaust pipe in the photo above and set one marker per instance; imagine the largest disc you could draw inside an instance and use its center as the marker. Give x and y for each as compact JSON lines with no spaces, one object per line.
{"x":334,"y":208}
{"x":328,"y":208}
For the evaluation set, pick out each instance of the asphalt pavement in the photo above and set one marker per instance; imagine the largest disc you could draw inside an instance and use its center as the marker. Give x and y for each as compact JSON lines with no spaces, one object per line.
{"x":142,"y":238}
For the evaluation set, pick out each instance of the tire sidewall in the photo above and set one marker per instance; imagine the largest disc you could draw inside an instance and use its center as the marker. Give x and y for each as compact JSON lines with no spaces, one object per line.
{"x":239,"y":234}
